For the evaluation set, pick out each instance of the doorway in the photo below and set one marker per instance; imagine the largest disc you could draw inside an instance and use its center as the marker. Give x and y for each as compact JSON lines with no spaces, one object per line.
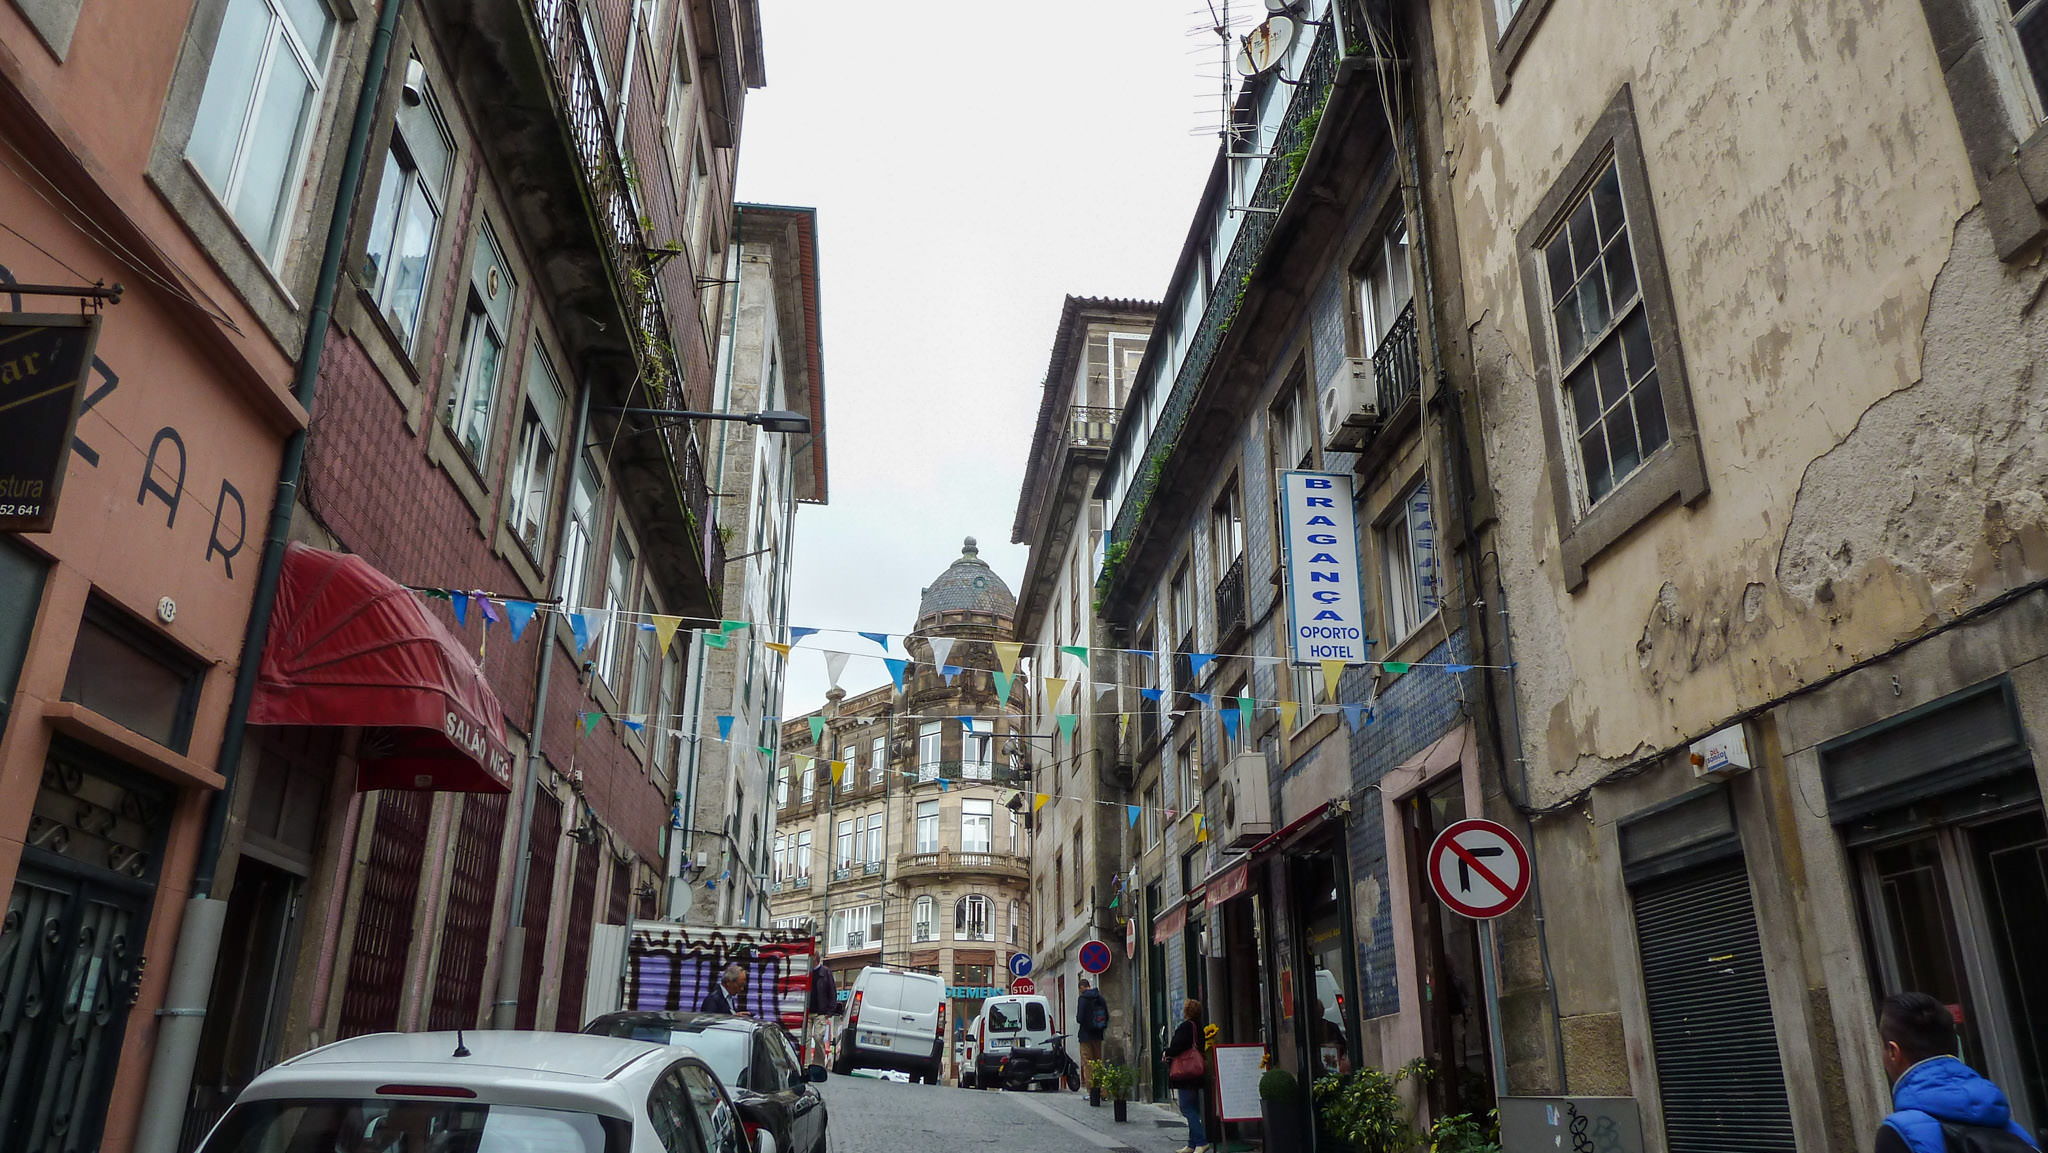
{"x":1155,"y":994}
{"x":251,"y":985}
{"x":1454,"y":1029}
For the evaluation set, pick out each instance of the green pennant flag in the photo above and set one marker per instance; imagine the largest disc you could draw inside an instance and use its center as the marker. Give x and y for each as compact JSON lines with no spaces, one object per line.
{"x":730,"y":627}
{"x":1066,"y":723}
{"x":1245,"y":708}
{"x":818,"y":730}
{"x":436,"y":594}
{"x":1396,"y":667}
{"x":1002,"y":687}
{"x":590,"y":721}
{"x":1078,"y":652}
{"x":713,"y":640}
{"x":766,"y":751}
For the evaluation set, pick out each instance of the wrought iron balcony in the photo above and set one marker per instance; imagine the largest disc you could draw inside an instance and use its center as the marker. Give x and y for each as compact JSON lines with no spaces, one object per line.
{"x":802,"y":882}
{"x":1091,"y":427}
{"x":1397,"y":365}
{"x":1230,"y":601}
{"x":948,"y":861}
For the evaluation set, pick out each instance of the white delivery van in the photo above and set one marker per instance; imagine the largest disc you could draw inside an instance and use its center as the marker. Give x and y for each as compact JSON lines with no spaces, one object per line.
{"x":1006,"y":1023}
{"x":895,"y":1019}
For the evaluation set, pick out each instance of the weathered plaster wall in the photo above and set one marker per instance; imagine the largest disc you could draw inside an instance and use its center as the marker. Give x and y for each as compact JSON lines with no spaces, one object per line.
{"x":1858,"y":359}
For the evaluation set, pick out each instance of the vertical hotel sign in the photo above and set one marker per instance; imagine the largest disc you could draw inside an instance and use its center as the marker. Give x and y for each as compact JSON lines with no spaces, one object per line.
{"x":1325,"y":605}
{"x":44,"y":359}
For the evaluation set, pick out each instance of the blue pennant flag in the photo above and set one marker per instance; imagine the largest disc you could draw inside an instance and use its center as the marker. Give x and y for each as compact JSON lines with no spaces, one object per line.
{"x":797,"y":635}
{"x":944,"y":784}
{"x":634,"y":725}
{"x":1151,"y":694}
{"x":1204,"y":698}
{"x":949,"y":672}
{"x":461,"y":607}
{"x":896,"y":667}
{"x":881,"y":639}
{"x":725,"y":727}
{"x":518,"y":614}
{"x":579,"y":623}
{"x":1230,"y":723}
{"x":966,"y":722}
{"x":1199,"y":661}
{"x":1132,"y":812}
{"x":1457,"y":668}
{"x":1357,"y":715}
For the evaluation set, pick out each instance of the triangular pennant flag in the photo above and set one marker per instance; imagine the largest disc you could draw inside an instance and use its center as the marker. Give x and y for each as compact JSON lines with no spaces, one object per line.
{"x":896,"y":667}
{"x":518,"y":614}
{"x":1245,"y":707}
{"x":434,"y":594}
{"x":1355,"y":714}
{"x":1151,"y":694}
{"x":1169,"y":815}
{"x":1457,"y":668}
{"x":1132,"y":811}
{"x":1104,"y":688}
{"x":838,"y":771}
{"x":818,"y":729}
{"x":579,"y":624}
{"x":1002,"y":687}
{"x":1199,"y":661}
{"x":490,"y":610}
{"x":803,"y":763}
{"x":1006,"y":655}
{"x":731,"y":627}
{"x":945,"y":783}
{"x":635,"y":723}
{"x":835,"y":664}
{"x":1204,"y":698}
{"x":1396,"y":667}
{"x":1066,"y":722}
{"x":966,"y":722}
{"x":778,"y":646}
{"x":797,"y":635}
{"x":881,"y":639}
{"x":1078,"y":652}
{"x":1006,"y":796}
{"x":1201,"y":827}
{"x":665,"y":631}
{"x":712,"y":640}
{"x":1287,"y":715}
{"x":949,"y":672}
{"x":725,"y":727}
{"x":942,"y":648}
{"x":590,"y":721}
{"x":766,"y":751}
{"x":1123,"y":726}
{"x":1229,"y":723}
{"x":1054,"y":687}
{"x":1332,"y":672}
{"x":461,"y":608}
{"x":1038,"y":800}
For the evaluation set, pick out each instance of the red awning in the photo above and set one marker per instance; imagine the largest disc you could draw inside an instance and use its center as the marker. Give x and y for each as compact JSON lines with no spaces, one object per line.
{"x":1232,"y":881}
{"x":1291,"y":833}
{"x":1169,"y":923}
{"x":350,"y":646}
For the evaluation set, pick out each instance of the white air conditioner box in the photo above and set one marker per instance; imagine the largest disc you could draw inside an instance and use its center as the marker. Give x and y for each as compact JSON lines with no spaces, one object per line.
{"x":1247,"y":806}
{"x":1348,"y":404}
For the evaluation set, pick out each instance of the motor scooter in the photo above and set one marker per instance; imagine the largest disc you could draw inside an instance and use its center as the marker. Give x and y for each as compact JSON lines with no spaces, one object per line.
{"x":1044,"y":1067}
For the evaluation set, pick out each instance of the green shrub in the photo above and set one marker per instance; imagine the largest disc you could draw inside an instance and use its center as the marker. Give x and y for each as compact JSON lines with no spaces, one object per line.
{"x":1279,"y":1087}
{"x":1362,"y":1111}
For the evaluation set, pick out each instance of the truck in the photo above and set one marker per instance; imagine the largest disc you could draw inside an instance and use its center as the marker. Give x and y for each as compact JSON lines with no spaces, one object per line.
{"x":665,"y":965}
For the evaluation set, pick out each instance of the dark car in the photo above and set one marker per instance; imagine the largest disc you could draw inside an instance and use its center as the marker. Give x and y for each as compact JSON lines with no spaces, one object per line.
{"x":769,"y":1084}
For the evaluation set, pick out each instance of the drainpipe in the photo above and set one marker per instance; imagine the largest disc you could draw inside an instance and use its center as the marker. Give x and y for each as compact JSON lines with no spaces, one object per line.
{"x":505,"y":1007}
{"x":183,"y":1016}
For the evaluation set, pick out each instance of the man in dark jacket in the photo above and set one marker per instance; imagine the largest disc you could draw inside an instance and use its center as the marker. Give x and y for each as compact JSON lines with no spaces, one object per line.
{"x":1091,"y":1020}
{"x":1940,"y":1105}
{"x":730,"y":994}
{"x":824,"y":1005}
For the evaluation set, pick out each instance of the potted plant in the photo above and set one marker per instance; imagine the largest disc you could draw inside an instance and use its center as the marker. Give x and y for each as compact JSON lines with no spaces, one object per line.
{"x":1362,"y":1111}
{"x":1095,"y":1069}
{"x":1280,"y":1110}
{"x":1117,"y":1081}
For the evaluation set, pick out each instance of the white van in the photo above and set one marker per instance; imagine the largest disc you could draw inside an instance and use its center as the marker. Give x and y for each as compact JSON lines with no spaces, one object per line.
{"x":895,"y":1019}
{"x":1006,"y":1023}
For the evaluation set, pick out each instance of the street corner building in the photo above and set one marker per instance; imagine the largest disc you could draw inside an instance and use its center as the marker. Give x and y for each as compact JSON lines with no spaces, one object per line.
{"x":346,"y":689}
{"x":901,"y":834}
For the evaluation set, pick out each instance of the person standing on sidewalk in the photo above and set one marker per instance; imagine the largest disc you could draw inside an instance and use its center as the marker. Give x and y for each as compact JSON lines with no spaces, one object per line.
{"x":1187,"y":1072}
{"x":824,"y":1006}
{"x":1091,"y":1021}
{"x":1940,"y":1105}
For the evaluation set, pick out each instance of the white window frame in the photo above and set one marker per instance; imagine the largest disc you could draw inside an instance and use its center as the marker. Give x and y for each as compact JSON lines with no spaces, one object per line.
{"x":930,"y":750}
{"x":529,"y":503}
{"x":978,"y":756}
{"x":621,"y":560}
{"x":801,"y":847}
{"x":843,"y":845}
{"x":471,"y":406}
{"x":878,"y":759}
{"x":927,"y":827}
{"x":1385,"y":286}
{"x":1410,"y":566}
{"x":924,"y":913}
{"x":578,"y":532}
{"x":810,"y":782}
{"x":974,"y":918}
{"x":402,"y":189}
{"x":977,"y":815}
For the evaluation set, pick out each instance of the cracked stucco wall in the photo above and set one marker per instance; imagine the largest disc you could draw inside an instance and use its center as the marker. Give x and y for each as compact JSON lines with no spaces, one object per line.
{"x":1860,"y":361}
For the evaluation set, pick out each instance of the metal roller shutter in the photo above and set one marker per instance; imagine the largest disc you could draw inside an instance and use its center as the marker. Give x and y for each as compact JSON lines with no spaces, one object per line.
{"x":1720,"y":1080}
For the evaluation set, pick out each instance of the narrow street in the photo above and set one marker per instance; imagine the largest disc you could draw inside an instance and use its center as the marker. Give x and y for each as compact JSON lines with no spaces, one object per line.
{"x":871,"y":1115}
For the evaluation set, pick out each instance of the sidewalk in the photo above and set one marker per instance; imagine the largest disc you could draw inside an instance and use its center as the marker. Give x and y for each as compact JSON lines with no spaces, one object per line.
{"x":1152,"y":1128}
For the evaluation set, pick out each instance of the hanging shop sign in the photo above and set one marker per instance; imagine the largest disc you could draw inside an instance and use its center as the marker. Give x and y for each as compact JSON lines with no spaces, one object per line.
{"x":44,"y":361}
{"x":1325,"y":603}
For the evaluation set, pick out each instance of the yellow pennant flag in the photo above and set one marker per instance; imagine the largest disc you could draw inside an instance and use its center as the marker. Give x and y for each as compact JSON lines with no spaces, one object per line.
{"x":1006,"y":655}
{"x":1287,"y":715}
{"x":1038,"y":801}
{"x":1123,"y":726}
{"x":1201,"y":828}
{"x":838,"y":771}
{"x":1331,"y":671}
{"x":665,"y":630}
{"x":1054,"y":686}
{"x":778,"y":647}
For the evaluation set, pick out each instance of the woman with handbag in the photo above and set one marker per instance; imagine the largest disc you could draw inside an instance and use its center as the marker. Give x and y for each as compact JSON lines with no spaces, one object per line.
{"x":1187,"y":1072}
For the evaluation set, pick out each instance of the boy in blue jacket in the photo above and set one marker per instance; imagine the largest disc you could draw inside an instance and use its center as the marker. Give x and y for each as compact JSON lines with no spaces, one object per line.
{"x":1940,"y":1105}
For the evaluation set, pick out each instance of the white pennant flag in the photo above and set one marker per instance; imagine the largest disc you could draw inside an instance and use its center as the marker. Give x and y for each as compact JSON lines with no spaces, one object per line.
{"x":835,"y":663}
{"x":1104,"y":688}
{"x":942,"y":647}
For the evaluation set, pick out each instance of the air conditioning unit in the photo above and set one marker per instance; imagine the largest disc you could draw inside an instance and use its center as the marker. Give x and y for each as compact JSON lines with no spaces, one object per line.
{"x":1348,"y":405}
{"x":1247,"y":806}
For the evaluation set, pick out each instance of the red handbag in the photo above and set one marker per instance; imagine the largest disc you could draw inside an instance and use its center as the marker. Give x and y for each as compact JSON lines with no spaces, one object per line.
{"x":1187,"y":1066}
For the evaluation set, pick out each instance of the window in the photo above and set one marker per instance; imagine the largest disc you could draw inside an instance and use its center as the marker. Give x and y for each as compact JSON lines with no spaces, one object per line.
{"x":618,"y":586}
{"x":1059,"y":881}
{"x":1407,"y":549}
{"x":977,"y":826}
{"x":474,"y":393}
{"x":1190,"y":764}
{"x":133,"y":679}
{"x":533,"y":470}
{"x":781,"y":862}
{"x":923,"y":912}
{"x":782,"y":787}
{"x":1617,"y":417}
{"x":878,"y":759}
{"x":972,"y":919}
{"x":859,"y":927}
{"x":980,"y":756}
{"x":577,"y":534}
{"x":665,"y":739}
{"x":810,"y":783}
{"x":1016,"y":922}
{"x":1293,"y":427}
{"x":694,"y":208}
{"x":262,"y":87}
{"x":872,"y":854}
{"x":1150,"y":814}
{"x":1384,"y":288}
{"x":400,"y":248}
{"x":844,"y":856}
{"x":1183,"y":607}
{"x":927,"y":826}
{"x":802,"y":863}
{"x":1080,"y":872}
{"x":1016,"y":833}
{"x":646,"y":657}
{"x":929,"y":735}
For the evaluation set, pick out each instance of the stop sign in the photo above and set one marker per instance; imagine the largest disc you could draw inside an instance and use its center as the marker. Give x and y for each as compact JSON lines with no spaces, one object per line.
{"x":1022,"y":986}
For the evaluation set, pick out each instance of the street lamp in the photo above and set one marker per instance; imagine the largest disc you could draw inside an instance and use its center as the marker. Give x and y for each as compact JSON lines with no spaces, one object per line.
{"x":774,"y":420}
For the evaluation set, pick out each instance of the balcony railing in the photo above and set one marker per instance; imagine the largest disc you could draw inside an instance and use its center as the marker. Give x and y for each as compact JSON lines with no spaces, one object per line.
{"x":803,"y":882}
{"x":1397,"y":364}
{"x":972,"y":772}
{"x":1230,"y":600}
{"x":955,"y":861}
{"x":842,"y":873}
{"x":1091,"y":427}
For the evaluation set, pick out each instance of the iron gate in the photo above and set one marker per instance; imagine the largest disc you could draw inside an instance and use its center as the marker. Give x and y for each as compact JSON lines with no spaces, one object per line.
{"x":576,"y":950}
{"x":466,"y":926}
{"x":384,"y":916}
{"x":540,"y":891}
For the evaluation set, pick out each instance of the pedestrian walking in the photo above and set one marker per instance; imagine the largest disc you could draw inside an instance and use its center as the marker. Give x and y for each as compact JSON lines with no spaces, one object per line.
{"x":1940,"y":1105}
{"x":730,"y":994}
{"x":1091,"y":1021}
{"x":1187,"y":1072}
{"x":824,"y":1006}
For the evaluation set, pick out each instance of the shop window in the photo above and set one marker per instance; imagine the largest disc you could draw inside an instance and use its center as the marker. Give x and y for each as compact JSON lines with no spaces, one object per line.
{"x":133,"y":679}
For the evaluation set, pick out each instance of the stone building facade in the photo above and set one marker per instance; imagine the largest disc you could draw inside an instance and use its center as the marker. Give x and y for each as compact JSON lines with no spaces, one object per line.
{"x":919,"y":856}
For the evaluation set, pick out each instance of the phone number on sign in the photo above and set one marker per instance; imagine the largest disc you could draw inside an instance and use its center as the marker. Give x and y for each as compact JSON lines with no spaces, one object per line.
{"x":21,"y":510}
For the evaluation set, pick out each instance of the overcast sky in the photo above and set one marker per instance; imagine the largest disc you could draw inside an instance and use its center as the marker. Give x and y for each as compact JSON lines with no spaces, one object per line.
{"x":971,"y":165}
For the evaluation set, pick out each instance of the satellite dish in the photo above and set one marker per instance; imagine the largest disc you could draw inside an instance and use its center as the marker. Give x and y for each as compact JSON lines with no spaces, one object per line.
{"x":1278,"y":6}
{"x":1266,"y":46}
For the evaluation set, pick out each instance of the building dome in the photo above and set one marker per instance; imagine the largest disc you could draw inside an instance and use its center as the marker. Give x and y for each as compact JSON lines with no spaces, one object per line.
{"x":967,"y":586}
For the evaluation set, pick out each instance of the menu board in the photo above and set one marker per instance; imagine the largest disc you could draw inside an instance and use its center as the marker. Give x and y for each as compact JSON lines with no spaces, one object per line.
{"x":1237,"y":1081}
